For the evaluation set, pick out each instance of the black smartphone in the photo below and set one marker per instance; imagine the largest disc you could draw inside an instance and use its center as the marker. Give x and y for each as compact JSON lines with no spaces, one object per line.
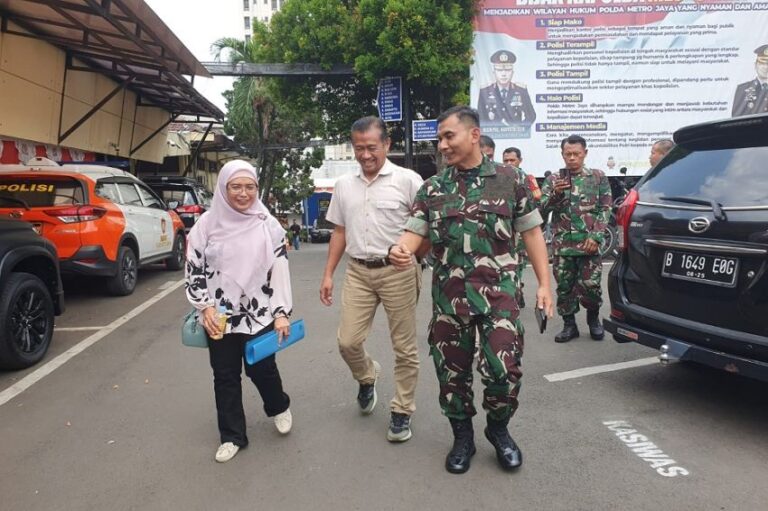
{"x":541,"y":319}
{"x":566,"y":175}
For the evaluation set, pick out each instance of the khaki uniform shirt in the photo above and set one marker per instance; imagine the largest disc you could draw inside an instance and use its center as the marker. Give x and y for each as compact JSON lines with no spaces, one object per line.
{"x":373,"y":213}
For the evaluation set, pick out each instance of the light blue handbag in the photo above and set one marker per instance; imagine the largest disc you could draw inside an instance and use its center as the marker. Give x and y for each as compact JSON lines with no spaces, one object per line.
{"x":192,"y":332}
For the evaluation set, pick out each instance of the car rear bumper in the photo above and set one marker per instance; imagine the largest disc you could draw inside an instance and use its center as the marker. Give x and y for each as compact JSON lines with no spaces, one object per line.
{"x":188,"y":220}
{"x":89,"y":260}
{"x":677,"y":350}
{"x":320,"y":237}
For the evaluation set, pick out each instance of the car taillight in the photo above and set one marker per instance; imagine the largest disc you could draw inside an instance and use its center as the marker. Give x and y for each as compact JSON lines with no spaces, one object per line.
{"x":623,"y":217}
{"x":72,"y":214}
{"x":193,"y":211}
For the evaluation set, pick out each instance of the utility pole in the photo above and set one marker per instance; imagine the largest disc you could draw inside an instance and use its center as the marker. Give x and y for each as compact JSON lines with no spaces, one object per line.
{"x":407,"y":115}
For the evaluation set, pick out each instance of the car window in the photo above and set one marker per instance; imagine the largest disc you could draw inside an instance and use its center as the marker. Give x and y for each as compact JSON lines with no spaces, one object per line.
{"x":149,"y":198}
{"x":40,"y":191}
{"x":183,"y":197}
{"x":107,"y":191}
{"x":129,"y":195}
{"x":205,"y":197}
{"x":732,"y":176}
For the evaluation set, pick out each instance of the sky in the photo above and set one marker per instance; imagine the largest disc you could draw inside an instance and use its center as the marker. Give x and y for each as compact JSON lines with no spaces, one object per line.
{"x":198,"y":23}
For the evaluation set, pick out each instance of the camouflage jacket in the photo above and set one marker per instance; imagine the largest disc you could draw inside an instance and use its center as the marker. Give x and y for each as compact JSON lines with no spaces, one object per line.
{"x":579,"y":213}
{"x":472,"y":219}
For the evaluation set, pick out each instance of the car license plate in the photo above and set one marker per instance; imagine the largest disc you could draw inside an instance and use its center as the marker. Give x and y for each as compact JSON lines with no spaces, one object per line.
{"x":704,"y":268}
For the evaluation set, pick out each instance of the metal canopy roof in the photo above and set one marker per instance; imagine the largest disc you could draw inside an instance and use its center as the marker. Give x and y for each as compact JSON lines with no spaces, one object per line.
{"x":123,"y":39}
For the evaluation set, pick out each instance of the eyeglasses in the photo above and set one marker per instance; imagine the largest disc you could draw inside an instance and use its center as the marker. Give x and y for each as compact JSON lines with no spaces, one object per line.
{"x":237,"y":188}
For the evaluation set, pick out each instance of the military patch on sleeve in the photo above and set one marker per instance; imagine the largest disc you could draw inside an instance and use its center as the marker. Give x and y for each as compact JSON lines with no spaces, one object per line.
{"x":533,"y":186}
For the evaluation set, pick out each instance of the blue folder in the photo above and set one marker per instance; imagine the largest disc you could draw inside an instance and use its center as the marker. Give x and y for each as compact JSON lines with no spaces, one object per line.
{"x":264,"y":345}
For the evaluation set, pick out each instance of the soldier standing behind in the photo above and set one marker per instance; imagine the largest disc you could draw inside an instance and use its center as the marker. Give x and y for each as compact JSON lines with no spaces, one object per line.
{"x":659,"y":150}
{"x":752,"y":97}
{"x":472,"y":213}
{"x":487,"y":146}
{"x":513,"y":156}
{"x":580,"y":202}
{"x":505,"y":102}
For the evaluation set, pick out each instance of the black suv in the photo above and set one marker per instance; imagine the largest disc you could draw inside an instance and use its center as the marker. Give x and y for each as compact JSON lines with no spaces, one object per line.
{"x":321,"y":233}
{"x":30,"y":294}
{"x":186,"y":196}
{"x":691,"y":279}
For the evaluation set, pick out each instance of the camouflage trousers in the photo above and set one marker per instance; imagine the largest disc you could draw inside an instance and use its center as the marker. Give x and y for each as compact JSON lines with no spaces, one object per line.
{"x":578,"y":281}
{"x":452,"y":344}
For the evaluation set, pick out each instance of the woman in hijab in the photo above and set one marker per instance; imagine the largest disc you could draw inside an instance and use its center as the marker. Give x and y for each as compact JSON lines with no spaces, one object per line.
{"x":237,"y":264}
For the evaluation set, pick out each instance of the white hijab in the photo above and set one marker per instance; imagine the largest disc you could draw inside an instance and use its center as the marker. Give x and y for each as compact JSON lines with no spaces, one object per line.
{"x":241,"y":245}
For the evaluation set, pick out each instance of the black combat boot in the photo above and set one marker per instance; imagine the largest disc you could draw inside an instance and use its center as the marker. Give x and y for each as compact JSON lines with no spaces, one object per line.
{"x":569,"y":331}
{"x":457,"y":461}
{"x":596,"y":331}
{"x":507,"y":452}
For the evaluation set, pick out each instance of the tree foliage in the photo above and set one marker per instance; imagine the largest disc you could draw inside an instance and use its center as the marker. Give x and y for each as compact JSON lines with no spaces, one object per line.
{"x":258,"y":118}
{"x":292,"y":179}
{"x":427,"y":42}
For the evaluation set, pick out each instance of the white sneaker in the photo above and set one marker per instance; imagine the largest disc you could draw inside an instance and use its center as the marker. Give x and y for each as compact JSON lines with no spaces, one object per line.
{"x":284,"y":421}
{"x":226,"y":452}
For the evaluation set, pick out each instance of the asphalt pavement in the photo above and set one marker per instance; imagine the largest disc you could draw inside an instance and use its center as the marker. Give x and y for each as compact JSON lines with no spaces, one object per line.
{"x":121,"y":416}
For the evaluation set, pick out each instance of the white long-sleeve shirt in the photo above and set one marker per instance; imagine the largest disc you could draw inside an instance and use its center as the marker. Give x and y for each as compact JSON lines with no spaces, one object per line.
{"x":252,"y":313}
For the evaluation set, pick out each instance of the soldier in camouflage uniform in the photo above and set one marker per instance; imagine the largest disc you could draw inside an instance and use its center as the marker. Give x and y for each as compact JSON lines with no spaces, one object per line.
{"x":513,"y":156}
{"x":580,"y":201}
{"x":472,"y":214}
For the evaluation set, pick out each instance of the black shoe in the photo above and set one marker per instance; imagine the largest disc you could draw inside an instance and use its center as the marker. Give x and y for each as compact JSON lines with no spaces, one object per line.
{"x":507,"y":452}
{"x":399,"y":427}
{"x":569,"y":331}
{"x":458,"y":459}
{"x":596,"y":331}
{"x":366,"y":396}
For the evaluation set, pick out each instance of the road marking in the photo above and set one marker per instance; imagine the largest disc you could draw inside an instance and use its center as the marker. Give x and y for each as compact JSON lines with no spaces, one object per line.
{"x":167,"y":285}
{"x":588,"y":371}
{"x":642,"y":447}
{"x":43,"y":371}
{"x":77,"y":328}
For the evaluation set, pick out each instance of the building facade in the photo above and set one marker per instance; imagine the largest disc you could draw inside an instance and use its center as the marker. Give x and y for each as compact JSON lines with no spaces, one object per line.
{"x":258,"y":10}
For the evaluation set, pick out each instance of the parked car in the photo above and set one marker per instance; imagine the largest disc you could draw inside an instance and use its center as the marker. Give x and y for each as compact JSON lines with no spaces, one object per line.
{"x":321,"y":231}
{"x":319,"y":235}
{"x":103,"y":221}
{"x":30,"y":294}
{"x":691,"y":279}
{"x":185,"y":195}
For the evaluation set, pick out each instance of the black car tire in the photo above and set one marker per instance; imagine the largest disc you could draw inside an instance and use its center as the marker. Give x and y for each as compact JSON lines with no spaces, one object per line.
{"x":124,"y":281}
{"x":26,"y":321}
{"x":178,"y":256}
{"x":608,"y":246}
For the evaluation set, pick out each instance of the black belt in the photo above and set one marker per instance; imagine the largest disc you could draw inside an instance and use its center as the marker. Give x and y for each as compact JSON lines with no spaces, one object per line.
{"x":372,"y":263}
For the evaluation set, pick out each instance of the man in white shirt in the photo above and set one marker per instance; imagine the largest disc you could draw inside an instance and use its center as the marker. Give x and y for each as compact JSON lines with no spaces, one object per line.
{"x":369,"y":210}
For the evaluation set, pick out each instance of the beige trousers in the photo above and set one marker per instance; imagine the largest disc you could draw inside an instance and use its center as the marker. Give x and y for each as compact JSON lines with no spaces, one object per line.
{"x":398,"y":291}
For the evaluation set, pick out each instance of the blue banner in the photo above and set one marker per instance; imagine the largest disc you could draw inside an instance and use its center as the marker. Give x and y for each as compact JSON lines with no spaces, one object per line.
{"x":425,"y":130}
{"x":390,"y":99}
